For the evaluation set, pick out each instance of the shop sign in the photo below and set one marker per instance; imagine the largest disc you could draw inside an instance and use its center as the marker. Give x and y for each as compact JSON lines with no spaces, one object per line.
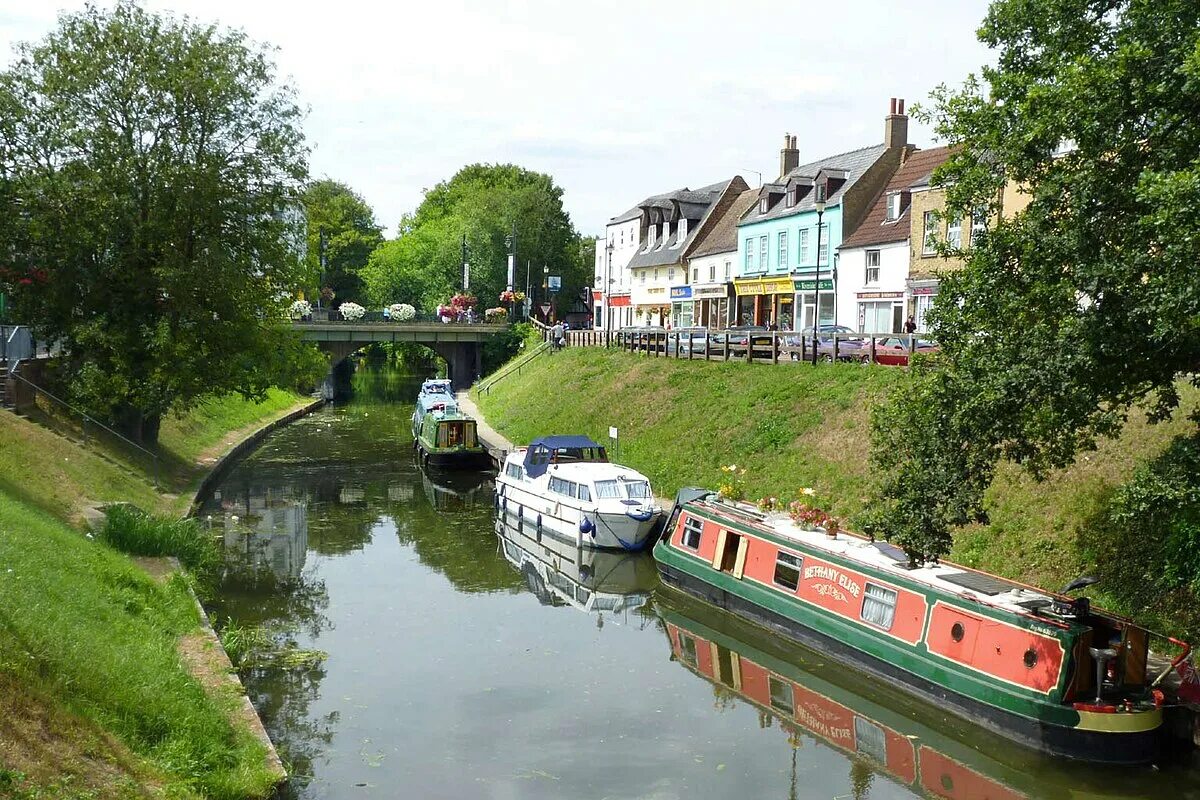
{"x":597,"y":295}
{"x":619,"y":301}
{"x":681,"y":292}
{"x":920,"y":290}
{"x":809,"y":286}
{"x":752,"y":287}
{"x":656,"y":290}
{"x":879,"y":295}
{"x":709,"y":292}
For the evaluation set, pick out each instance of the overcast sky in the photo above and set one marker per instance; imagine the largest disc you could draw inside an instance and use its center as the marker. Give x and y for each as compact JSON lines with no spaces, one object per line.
{"x":616,"y":100}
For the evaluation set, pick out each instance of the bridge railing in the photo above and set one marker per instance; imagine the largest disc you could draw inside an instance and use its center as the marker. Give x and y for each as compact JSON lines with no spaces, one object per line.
{"x":332,"y":315}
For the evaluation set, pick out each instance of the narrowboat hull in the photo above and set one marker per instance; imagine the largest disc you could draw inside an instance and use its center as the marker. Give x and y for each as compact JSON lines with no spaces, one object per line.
{"x":453,"y":459}
{"x":1005,"y":671}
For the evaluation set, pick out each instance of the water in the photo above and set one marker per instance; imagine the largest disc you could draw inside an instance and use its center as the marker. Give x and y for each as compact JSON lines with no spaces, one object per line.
{"x":466,"y":661}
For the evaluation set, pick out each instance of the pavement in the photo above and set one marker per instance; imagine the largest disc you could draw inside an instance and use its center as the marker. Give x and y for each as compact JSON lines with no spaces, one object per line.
{"x":497,"y":446}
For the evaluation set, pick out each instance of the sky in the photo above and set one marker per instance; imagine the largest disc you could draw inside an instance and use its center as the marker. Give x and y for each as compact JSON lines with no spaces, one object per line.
{"x":616,"y":100}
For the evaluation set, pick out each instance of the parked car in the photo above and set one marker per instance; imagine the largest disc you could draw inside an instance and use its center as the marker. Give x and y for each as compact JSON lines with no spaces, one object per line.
{"x":738,"y":337}
{"x":849,"y":347}
{"x":894,"y":349}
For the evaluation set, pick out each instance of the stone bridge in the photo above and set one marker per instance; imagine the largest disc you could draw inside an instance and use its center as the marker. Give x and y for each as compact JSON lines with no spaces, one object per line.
{"x":460,"y":344}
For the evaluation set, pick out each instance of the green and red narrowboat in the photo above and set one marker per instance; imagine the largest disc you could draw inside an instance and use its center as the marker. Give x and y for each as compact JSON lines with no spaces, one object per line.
{"x":1043,"y":669}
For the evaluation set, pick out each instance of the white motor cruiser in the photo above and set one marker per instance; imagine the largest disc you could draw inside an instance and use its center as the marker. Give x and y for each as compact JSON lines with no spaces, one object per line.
{"x":565,"y":488}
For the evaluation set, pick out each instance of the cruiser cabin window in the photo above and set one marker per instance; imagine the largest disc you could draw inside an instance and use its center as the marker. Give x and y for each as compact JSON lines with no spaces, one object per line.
{"x":514,"y":471}
{"x":608,"y":490}
{"x":559,"y":486}
{"x":693,"y":530}
{"x":636,"y":490}
{"x":879,"y":606}
{"x":787,"y":570}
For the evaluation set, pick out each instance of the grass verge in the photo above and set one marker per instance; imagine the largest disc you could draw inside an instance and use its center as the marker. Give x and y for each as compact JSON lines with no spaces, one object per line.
{"x":83,"y":626}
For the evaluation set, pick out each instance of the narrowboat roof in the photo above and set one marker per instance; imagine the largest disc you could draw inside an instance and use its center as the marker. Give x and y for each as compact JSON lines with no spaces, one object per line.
{"x":886,"y":558}
{"x":436,"y":385}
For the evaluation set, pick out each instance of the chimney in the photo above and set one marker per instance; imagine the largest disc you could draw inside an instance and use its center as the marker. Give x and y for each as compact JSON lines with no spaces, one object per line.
{"x":789,"y":156}
{"x":895,"y":125}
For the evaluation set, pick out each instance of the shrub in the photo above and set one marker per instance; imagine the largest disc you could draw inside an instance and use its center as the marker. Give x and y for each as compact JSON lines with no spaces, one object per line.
{"x":135,"y":532}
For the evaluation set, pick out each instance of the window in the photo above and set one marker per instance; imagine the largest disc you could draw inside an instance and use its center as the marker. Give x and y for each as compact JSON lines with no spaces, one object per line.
{"x":636,"y":490}
{"x":893,"y":206}
{"x":762,"y":253}
{"x":513,"y":470}
{"x":728,"y":269}
{"x":642,"y":277}
{"x":622,"y":238}
{"x":712,"y":271}
{"x":802,"y":251}
{"x":872,"y":275}
{"x":749,"y":255}
{"x":954,"y":232}
{"x":879,"y":606}
{"x":608,"y":490}
{"x":693,"y":529}
{"x":783,"y":249}
{"x":978,"y":223}
{"x":781,"y":695}
{"x":670,"y":274}
{"x":584,"y":493}
{"x":559,"y":486}
{"x":695,"y":274}
{"x":791,"y":197}
{"x":687,"y":649}
{"x":822,"y":248}
{"x":762,"y":206}
{"x":657,"y":273}
{"x":929,"y":240}
{"x":787,"y":570}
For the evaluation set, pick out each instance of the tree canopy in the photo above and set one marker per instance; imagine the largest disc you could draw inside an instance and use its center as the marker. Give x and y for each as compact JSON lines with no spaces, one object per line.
{"x":149,"y":173}
{"x":1085,"y":304}
{"x":483,"y":201}
{"x":342,"y":220}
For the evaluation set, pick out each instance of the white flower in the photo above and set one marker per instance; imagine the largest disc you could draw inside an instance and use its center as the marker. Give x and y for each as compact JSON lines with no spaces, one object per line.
{"x":402,"y":312}
{"x":351,"y":311}
{"x":300,"y":308}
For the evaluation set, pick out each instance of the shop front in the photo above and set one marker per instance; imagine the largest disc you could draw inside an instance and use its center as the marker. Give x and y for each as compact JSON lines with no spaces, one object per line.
{"x":622,"y":311}
{"x":766,"y":302}
{"x":682,"y":307}
{"x":923,"y":293}
{"x":711,"y":306}
{"x":880,"y":312}
{"x":653,"y":307}
{"x":810,"y":293}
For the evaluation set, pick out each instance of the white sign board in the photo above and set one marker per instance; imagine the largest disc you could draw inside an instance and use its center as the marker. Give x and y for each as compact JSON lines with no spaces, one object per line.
{"x":612,"y":432}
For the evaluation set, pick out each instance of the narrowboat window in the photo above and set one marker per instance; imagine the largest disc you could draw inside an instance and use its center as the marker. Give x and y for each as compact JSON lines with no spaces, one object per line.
{"x":870,"y":740}
{"x":687,"y":649}
{"x":787,"y":570}
{"x":693,"y":529}
{"x":879,"y":606}
{"x":637,"y":490}
{"x":470,"y":435}
{"x":781,"y":695}
{"x":606,"y":490}
{"x":585,"y":493}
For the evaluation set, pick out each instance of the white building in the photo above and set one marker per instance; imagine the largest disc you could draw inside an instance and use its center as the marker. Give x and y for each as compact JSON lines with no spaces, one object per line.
{"x":613,"y":253}
{"x":873,"y":263}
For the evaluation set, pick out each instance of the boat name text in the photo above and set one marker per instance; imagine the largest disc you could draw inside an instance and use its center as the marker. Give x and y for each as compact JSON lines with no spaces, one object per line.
{"x":834,"y":576}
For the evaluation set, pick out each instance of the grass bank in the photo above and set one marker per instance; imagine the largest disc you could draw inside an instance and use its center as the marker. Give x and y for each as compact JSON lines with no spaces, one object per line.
{"x":793,"y":426}
{"x":95,"y":700}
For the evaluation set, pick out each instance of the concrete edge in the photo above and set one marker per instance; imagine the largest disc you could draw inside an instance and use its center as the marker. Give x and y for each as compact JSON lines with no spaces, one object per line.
{"x":231,"y":456}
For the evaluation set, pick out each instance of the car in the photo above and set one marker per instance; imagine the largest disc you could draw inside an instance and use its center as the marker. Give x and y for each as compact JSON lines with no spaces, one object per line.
{"x":850,"y":346}
{"x":893,"y":350}
{"x":738,"y":338}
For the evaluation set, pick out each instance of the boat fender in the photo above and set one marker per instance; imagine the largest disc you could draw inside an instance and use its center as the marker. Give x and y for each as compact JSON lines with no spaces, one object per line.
{"x":539,"y":525}
{"x":587,"y":526}
{"x":641,"y":515}
{"x":520,"y":518}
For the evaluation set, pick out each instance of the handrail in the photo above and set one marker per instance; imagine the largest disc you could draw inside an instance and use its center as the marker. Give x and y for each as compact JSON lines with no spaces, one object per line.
{"x":492,"y":380}
{"x":88,"y":418}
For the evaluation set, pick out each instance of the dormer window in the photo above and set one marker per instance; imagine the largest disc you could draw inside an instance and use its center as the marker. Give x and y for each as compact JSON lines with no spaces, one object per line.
{"x":762,"y":205}
{"x":893,"y":206}
{"x":820,"y":192}
{"x":791,"y":197}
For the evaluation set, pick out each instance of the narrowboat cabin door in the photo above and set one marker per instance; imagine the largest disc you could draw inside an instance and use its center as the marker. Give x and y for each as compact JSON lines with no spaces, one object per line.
{"x":456,"y":433}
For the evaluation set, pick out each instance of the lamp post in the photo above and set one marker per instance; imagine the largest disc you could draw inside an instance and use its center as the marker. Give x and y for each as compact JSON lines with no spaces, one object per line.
{"x":546,"y":292}
{"x":608,"y":281}
{"x":820,"y":206}
{"x":511,"y":241}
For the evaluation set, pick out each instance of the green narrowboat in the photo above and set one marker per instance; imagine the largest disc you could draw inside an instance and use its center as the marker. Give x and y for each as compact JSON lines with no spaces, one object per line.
{"x":446,"y":437}
{"x":1044,"y":669}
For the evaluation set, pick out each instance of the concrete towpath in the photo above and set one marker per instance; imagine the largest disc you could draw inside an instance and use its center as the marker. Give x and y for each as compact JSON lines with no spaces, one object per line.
{"x":497,"y":446}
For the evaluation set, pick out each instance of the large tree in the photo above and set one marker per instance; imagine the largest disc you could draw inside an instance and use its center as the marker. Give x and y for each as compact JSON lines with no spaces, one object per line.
{"x":343,"y":232}
{"x":151,"y":174}
{"x":482,"y":202}
{"x":1086,"y":303}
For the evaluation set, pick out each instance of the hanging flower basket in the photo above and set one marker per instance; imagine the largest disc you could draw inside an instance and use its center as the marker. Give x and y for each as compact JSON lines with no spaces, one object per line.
{"x":507,"y":296}
{"x":351,"y":311}
{"x":402,"y":312}
{"x":462,"y":302}
{"x":300,"y":309}
{"x":497,"y":314}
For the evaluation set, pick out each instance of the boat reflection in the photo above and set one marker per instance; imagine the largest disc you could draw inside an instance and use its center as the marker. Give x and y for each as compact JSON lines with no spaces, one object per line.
{"x":561,"y":574}
{"x":456,"y":491}
{"x":932,"y":754}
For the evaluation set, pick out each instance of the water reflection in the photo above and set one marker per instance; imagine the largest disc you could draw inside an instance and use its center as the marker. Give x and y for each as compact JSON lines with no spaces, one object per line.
{"x":558,"y":573}
{"x":460,"y":490}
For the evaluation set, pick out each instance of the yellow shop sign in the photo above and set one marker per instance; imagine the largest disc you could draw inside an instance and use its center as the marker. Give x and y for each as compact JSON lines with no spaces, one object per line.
{"x":764,"y":286}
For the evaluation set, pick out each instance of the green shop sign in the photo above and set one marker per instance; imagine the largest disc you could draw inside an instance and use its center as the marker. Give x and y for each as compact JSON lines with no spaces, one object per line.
{"x":808,"y":286}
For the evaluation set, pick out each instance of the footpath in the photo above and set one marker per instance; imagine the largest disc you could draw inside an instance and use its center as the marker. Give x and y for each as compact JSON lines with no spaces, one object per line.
{"x":497,"y":446}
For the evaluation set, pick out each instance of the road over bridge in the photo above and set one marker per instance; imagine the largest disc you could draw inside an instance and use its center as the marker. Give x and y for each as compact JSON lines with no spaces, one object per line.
{"x":459,"y":343}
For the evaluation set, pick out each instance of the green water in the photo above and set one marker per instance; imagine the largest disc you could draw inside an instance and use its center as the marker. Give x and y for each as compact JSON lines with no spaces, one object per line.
{"x":463,"y":661}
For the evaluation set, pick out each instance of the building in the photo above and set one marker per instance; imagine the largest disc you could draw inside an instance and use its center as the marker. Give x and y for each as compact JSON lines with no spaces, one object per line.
{"x":669,"y":225}
{"x":707,"y":299}
{"x":872,"y":282}
{"x":783,"y":267}
{"x":613,"y":253}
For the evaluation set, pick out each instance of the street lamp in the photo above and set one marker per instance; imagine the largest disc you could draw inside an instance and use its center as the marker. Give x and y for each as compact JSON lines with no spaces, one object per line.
{"x":546,"y":290}
{"x":820,"y":206}
{"x":608,"y":281}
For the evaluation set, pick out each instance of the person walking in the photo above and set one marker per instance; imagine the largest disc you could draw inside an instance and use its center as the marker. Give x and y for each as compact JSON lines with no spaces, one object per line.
{"x":556,"y":336}
{"x":910,"y":325}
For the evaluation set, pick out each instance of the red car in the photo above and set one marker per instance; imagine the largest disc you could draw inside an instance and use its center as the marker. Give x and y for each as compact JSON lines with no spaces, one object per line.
{"x":894,"y":350}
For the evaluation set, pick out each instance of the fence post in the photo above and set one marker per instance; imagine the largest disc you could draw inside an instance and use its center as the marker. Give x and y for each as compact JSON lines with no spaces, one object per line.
{"x":749,"y":347}
{"x":774,"y":347}
{"x":835,"y":347}
{"x":725,"y":348}
{"x":872,"y":349}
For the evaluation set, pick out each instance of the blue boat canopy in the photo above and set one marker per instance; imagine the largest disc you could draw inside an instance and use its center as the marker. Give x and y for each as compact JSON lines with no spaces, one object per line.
{"x":548,"y":450}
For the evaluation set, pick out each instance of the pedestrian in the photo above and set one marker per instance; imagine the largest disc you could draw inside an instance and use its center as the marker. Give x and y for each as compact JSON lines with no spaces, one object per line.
{"x":556,"y":336}
{"x":910,"y":325}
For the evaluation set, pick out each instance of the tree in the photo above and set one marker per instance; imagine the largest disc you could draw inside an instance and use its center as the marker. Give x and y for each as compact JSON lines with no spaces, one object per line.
{"x":342,"y":219}
{"x":152,"y":167}
{"x":482,"y":202}
{"x":1084,"y":304}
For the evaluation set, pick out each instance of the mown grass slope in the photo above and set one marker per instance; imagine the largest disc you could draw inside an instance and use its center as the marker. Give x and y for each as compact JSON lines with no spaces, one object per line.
{"x":793,"y":426}
{"x":88,"y":643}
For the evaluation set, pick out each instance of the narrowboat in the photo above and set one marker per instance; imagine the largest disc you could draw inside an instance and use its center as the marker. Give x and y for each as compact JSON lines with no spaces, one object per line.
{"x":589,"y":580}
{"x":1044,"y":669}
{"x":566,"y":488}
{"x":447,"y":438}
{"x":435,"y":394}
{"x":452,"y":492}
{"x":869,"y":722}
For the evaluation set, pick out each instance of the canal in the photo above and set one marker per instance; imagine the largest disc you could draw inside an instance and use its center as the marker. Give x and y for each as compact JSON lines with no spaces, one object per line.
{"x":415,"y":649}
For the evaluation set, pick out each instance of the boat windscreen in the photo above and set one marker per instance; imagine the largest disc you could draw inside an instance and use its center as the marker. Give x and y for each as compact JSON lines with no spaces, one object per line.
{"x":608,"y":490}
{"x":636,"y":490}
